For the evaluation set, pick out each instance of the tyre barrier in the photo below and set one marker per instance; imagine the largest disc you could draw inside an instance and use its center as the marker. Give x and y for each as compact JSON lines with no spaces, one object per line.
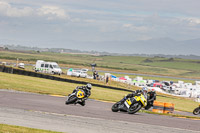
{"x":161,"y":107}
{"x":158,"y":107}
{"x":168,"y":108}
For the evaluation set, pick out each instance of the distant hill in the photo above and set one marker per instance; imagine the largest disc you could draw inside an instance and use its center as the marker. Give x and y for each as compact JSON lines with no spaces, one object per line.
{"x":96,"y":53}
{"x":164,"y":46}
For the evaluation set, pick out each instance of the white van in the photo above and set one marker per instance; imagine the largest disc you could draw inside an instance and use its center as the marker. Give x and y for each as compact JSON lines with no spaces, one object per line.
{"x":47,"y":67}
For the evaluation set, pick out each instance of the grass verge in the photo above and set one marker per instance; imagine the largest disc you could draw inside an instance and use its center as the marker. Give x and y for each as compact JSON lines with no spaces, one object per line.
{"x":52,"y":87}
{"x":4,"y":128}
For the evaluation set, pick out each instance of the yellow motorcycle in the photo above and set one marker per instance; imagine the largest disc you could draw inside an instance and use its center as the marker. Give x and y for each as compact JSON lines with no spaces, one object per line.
{"x":78,"y":96}
{"x":196,"y":111}
{"x":130,"y":105}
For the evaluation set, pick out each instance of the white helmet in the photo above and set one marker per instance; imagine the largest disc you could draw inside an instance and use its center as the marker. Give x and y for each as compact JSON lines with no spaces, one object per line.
{"x":144,"y":89}
{"x":89,"y":86}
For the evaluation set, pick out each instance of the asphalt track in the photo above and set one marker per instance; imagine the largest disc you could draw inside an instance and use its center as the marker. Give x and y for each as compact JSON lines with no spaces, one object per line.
{"x":50,"y":112}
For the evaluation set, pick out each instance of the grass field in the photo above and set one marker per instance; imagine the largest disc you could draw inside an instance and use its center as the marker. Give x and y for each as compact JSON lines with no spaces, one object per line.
{"x":51,"y":87}
{"x":4,"y":128}
{"x":45,"y":86}
{"x":161,"y":66}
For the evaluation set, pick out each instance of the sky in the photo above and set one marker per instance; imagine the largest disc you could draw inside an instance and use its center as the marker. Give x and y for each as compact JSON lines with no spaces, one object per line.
{"x":74,"y":24}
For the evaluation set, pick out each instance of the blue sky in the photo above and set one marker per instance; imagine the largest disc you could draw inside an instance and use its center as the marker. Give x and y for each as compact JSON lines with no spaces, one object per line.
{"x":74,"y":23}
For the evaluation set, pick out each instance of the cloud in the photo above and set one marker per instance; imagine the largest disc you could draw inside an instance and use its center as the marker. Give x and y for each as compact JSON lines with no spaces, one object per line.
{"x":100,"y":20}
{"x":192,"y":21}
{"x":135,"y":28}
{"x":7,"y":10}
{"x":90,"y":20}
{"x":52,"y":12}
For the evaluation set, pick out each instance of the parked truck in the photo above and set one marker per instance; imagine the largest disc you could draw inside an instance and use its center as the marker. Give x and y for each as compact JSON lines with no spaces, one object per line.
{"x":47,"y":67}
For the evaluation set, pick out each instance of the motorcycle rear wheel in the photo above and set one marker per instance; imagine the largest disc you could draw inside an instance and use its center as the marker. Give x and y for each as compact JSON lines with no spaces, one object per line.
{"x":71,"y":99}
{"x":115,"y":107}
{"x":196,"y":111}
{"x":134,"y":108}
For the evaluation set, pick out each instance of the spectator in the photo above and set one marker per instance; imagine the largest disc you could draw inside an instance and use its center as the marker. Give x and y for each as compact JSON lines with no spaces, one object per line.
{"x":107,"y":78}
{"x":94,"y":75}
{"x":97,"y":76}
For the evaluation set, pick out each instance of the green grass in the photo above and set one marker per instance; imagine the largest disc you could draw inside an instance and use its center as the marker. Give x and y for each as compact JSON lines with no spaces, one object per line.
{"x":181,"y":104}
{"x":46,"y":86}
{"x":4,"y":128}
{"x":161,"y":66}
{"x":51,"y":87}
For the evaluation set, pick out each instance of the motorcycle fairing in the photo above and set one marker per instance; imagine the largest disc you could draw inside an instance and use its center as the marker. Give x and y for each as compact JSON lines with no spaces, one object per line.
{"x":142,"y":99}
{"x":80,"y":94}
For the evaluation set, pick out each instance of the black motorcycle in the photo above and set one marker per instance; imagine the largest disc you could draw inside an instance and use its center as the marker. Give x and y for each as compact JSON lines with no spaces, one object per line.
{"x":130,"y":105}
{"x":196,"y":111}
{"x":78,"y":96}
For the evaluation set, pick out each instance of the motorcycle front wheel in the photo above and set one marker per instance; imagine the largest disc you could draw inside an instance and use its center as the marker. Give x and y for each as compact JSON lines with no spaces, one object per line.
{"x":196,"y":111}
{"x":115,"y":107}
{"x":134,"y":108}
{"x":71,"y":99}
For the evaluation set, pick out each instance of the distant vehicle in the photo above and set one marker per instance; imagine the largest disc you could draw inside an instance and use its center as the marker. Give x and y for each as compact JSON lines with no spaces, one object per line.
{"x":84,"y":70}
{"x":4,"y":63}
{"x":47,"y":67}
{"x":83,"y":74}
{"x":21,"y":65}
{"x":76,"y":73}
{"x":158,"y":85}
{"x":80,"y":73}
{"x":69,"y":71}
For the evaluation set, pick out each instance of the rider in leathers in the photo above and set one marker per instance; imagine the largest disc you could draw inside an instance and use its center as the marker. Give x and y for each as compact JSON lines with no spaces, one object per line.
{"x":87,"y":91}
{"x":137,"y":92}
{"x":150,"y":96}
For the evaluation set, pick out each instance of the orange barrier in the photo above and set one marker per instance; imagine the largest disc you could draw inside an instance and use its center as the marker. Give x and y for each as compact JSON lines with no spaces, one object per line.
{"x":160,"y":107}
{"x":168,"y":108}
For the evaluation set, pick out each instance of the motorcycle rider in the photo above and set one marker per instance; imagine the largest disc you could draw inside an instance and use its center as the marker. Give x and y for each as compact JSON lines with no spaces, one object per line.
{"x":143,"y":91}
{"x":87,"y":91}
{"x":151,"y":97}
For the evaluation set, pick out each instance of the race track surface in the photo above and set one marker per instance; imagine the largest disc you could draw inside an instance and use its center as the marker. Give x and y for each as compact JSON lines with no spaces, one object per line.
{"x":50,"y":112}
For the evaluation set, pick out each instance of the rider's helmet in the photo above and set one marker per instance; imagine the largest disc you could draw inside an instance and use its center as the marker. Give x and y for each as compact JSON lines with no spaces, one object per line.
{"x":89,"y":86}
{"x":144,"y":90}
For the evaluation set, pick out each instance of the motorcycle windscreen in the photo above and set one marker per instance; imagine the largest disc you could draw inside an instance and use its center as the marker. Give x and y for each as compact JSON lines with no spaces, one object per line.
{"x":80,"y":94}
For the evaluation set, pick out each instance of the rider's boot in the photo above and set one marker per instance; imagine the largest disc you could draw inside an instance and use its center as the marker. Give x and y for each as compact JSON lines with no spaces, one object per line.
{"x":82,"y":103}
